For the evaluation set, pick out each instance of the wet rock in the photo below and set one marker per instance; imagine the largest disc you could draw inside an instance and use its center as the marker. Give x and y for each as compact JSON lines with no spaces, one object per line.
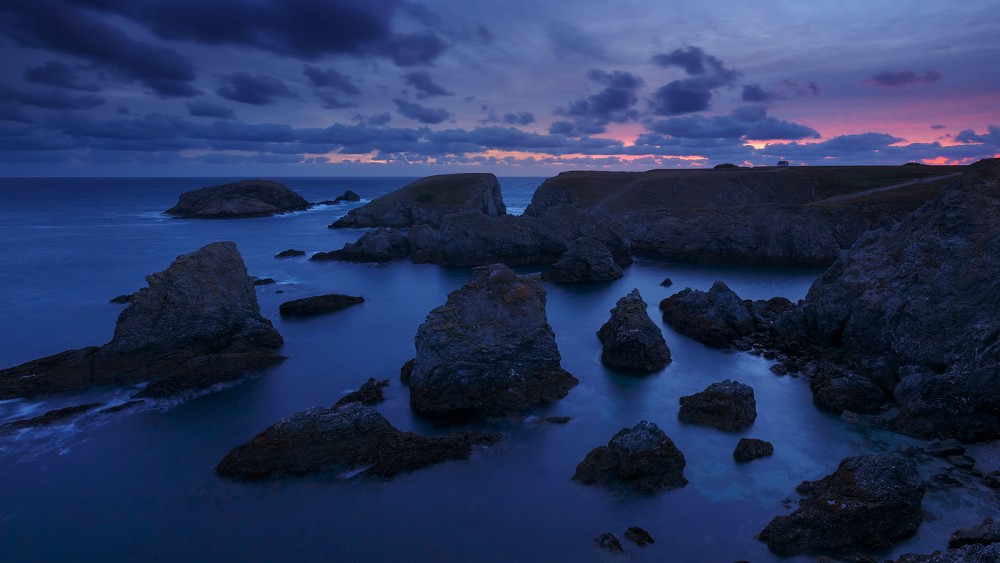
{"x":726,"y":405}
{"x":369,"y":393}
{"x":380,"y":245}
{"x":247,"y":198}
{"x":555,"y":419}
{"x":869,"y":502}
{"x":850,"y":417}
{"x":318,"y":305}
{"x":969,"y":554}
{"x":585,"y":260}
{"x":428,"y":200}
{"x":630,"y":340}
{"x":748,"y":449}
{"x":609,"y":542}
{"x":263,"y":281}
{"x":122,"y":407}
{"x":197,"y":321}
{"x":946,"y":480}
{"x":992,"y":479}
{"x":640,"y":537}
{"x":51,"y":417}
{"x":984,"y":533}
{"x":961,"y":461}
{"x":290,"y":253}
{"x":717,"y":317}
{"x":352,"y":437}
{"x":839,"y":389}
{"x":944,"y":448}
{"x":121,"y":299}
{"x":639,"y":459}
{"x":489,"y":350}
{"x":779,"y":369}
{"x":406,"y":371}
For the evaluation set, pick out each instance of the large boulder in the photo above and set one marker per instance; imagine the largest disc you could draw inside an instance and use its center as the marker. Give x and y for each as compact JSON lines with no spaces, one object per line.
{"x":630,"y":340}
{"x":749,"y":449}
{"x":349,"y":438}
{"x":638,"y":459}
{"x":726,"y":405}
{"x":428,"y":200}
{"x":247,"y":198}
{"x":488,"y":350}
{"x":869,"y":502}
{"x":380,"y":245}
{"x":717,"y":317}
{"x":197,"y":324}
{"x":318,"y":305}
{"x":585,"y":260}
{"x":922,"y":297}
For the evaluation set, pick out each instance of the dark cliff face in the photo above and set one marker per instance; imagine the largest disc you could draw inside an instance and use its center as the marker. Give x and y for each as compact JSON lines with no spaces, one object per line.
{"x":247,"y":198}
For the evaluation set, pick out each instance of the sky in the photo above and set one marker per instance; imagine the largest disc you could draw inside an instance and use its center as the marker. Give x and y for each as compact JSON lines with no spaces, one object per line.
{"x":517,"y":88}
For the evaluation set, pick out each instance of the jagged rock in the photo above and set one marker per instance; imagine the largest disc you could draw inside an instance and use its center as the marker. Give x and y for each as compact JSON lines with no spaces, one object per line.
{"x":717,"y":317}
{"x":50,"y":417}
{"x":121,"y":299}
{"x":247,"y":198}
{"x":198,"y":321}
{"x":369,"y":393}
{"x":984,"y":533}
{"x":290,"y":253}
{"x":944,"y":448}
{"x":779,"y":369}
{"x":318,"y":305}
{"x":839,"y":389}
{"x":352,"y":437}
{"x":489,"y":350}
{"x":428,"y":200}
{"x":122,"y":406}
{"x":262,"y":281}
{"x":748,"y":449}
{"x":630,"y":341}
{"x":869,"y":502}
{"x":406,"y":371}
{"x":667,"y":282}
{"x":610,"y":542}
{"x":348,"y":195}
{"x":585,"y":260}
{"x":381,"y":245}
{"x":922,"y":297}
{"x":726,"y":405}
{"x":640,"y":459}
{"x":640,"y":537}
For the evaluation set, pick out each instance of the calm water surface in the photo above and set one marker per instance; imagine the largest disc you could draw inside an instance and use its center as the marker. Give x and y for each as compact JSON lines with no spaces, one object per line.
{"x":140,"y":485}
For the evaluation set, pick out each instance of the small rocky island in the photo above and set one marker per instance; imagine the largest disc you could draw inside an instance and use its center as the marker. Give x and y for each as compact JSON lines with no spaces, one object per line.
{"x":246,"y":198}
{"x":630,"y":341}
{"x":641,"y":459}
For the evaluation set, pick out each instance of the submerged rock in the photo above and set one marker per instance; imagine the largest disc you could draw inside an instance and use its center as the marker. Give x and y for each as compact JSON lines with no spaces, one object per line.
{"x":197,"y":322}
{"x":51,"y":417}
{"x":428,"y":200}
{"x":944,"y":448}
{"x":639,"y":459}
{"x":352,"y":437}
{"x":869,"y":502}
{"x":610,"y":542}
{"x":585,"y":260}
{"x":381,"y":245}
{"x":318,"y":305}
{"x":489,"y":350}
{"x":717,"y":317}
{"x":726,"y":405}
{"x":749,"y":449}
{"x":290,"y":253}
{"x":630,"y":340}
{"x":638,"y":536}
{"x":247,"y":198}
{"x":369,"y":393}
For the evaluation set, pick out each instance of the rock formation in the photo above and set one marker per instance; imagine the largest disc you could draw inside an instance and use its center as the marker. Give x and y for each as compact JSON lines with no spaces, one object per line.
{"x":247,"y":198}
{"x":717,"y":317}
{"x":749,"y":449}
{"x":198,"y":323}
{"x":727,"y":405}
{"x":630,"y":340}
{"x":489,"y":350}
{"x":380,"y":245}
{"x":428,"y":200}
{"x":369,"y":393}
{"x":290,"y":253}
{"x":352,"y":437}
{"x":585,"y":260}
{"x":869,"y":502}
{"x":638,"y":536}
{"x":639,"y":459}
{"x":318,"y":305}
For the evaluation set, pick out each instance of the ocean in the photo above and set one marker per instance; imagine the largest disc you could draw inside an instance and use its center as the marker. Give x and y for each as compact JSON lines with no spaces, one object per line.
{"x":139,"y":485}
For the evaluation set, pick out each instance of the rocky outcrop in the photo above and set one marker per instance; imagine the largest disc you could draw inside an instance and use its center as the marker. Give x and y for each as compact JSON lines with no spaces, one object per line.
{"x":630,"y":340}
{"x":969,"y":554}
{"x":50,"y":417}
{"x":318,"y":305}
{"x":247,"y":198}
{"x":428,"y":200}
{"x":639,"y":459}
{"x":380,"y":245}
{"x":350,"y":438}
{"x":638,"y":536}
{"x":985,"y":533}
{"x":609,"y":542}
{"x":726,"y":405}
{"x":349,"y":196}
{"x":489,"y":350}
{"x":717,"y":317}
{"x":869,"y":502}
{"x":749,"y":449}
{"x":290,"y":253}
{"x":198,"y":322}
{"x":585,"y":260}
{"x":369,"y":393}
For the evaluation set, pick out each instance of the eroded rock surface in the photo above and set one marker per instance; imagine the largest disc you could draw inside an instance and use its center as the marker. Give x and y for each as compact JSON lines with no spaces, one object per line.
{"x":717,"y":317}
{"x":585,"y":260}
{"x":630,"y":340}
{"x":638,"y":459}
{"x":318,"y":305}
{"x":247,"y":198}
{"x":748,"y":449}
{"x":380,"y":245}
{"x":726,"y":405}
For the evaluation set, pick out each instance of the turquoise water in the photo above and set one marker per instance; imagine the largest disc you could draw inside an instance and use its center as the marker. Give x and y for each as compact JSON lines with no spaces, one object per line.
{"x":139,"y":485}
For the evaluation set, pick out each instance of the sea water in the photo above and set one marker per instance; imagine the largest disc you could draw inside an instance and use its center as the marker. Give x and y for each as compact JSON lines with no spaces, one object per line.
{"x":139,"y":485}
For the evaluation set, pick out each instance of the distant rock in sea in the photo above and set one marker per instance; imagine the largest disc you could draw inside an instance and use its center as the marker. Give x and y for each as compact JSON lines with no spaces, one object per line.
{"x":290,"y":253}
{"x":369,"y":393}
{"x":318,"y":305}
{"x":246,"y":198}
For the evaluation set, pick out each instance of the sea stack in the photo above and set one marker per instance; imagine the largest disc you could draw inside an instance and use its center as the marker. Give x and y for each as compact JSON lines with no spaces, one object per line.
{"x":246,"y":198}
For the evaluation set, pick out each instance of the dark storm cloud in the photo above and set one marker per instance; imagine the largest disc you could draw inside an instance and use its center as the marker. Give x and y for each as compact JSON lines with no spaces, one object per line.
{"x":424,"y":85}
{"x":904,"y":78}
{"x":412,"y":49}
{"x":251,"y":89}
{"x":799,"y":89}
{"x":49,"y":99}
{"x":781,"y":91}
{"x":680,"y":96}
{"x":519,"y":118}
{"x":842,"y":146}
{"x":377,"y":120}
{"x":754,"y":93}
{"x":58,"y":74}
{"x":330,"y":78}
{"x":332,"y":101}
{"x":569,"y":41}
{"x":696,"y":62}
{"x":200,"y":108}
{"x":421,"y":113}
{"x":63,"y":27}
{"x":992,"y":137}
{"x":744,"y":123}
{"x":615,"y":103}
{"x":692,"y":94}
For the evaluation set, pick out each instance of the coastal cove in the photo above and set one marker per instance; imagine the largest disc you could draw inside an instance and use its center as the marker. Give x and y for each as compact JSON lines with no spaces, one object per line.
{"x":139,"y":484}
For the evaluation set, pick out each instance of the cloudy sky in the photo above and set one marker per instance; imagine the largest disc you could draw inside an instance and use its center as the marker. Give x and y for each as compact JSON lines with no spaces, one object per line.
{"x":519,"y":87}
